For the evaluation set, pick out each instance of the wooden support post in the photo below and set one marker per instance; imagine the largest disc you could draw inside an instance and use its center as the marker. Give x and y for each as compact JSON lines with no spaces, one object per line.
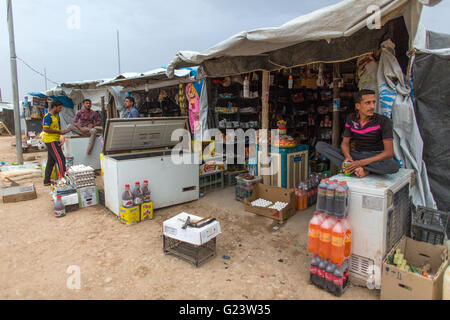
{"x":336,"y":107}
{"x":265,"y":126}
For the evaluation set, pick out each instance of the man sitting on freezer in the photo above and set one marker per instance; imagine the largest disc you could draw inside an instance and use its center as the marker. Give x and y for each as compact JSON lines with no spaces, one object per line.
{"x":84,"y":123}
{"x":373,"y":136}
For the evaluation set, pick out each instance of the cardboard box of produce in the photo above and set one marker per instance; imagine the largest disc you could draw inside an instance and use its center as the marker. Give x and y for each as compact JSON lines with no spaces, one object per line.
{"x":400,"y":284}
{"x":272,"y":194}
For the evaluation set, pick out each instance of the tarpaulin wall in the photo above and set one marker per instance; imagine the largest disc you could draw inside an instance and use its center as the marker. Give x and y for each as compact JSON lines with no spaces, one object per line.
{"x":431,"y":82}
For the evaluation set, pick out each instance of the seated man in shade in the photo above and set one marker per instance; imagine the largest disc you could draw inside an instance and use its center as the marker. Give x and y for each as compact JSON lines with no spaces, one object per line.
{"x":373,"y":136}
{"x":84,"y":123}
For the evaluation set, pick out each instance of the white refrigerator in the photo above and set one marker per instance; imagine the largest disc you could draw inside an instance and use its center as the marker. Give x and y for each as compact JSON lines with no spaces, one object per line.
{"x":140,"y":149}
{"x":76,"y":146}
{"x":379,"y":213}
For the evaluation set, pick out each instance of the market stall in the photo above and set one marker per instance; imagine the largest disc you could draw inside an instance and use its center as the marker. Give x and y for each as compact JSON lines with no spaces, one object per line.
{"x":308,"y":71}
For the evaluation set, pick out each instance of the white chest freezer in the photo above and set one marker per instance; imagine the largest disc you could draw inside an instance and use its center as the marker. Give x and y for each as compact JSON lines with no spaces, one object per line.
{"x":380,"y":214}
{"x":140,"y":149}
{"x":76,"y":146}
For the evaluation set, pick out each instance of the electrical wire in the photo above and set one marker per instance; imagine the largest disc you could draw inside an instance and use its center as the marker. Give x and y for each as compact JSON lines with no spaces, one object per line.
{"x":36,"y":71}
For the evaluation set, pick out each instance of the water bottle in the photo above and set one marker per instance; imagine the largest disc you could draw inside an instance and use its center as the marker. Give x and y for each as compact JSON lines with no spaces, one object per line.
{"x":59,"y":209}
{"x":138,"y":195}
{"x":329,"y":272}
{"x":127,"y":197}
{"x":290,"y":82}
{"x":146,"y":192}
{"x":246,"y":88}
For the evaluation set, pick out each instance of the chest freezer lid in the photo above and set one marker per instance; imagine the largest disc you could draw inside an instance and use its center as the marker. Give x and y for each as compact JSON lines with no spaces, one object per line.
{"x":376,"y":185}
{"x":123,"y":135}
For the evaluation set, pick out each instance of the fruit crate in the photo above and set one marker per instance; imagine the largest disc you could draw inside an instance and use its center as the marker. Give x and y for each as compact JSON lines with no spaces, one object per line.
{"x":429,"y":225}
{"x":230,"y":177}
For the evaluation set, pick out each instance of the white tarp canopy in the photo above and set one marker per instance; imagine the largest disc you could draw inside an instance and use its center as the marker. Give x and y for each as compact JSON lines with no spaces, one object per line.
{"x":152,"y":79}
{"x":88,"y":89}
{"x":318,"y":31}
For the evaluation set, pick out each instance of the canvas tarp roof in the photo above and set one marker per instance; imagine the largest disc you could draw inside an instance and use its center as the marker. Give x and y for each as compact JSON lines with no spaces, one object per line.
{"x":151,"y":79}
{"x":333,"y":33}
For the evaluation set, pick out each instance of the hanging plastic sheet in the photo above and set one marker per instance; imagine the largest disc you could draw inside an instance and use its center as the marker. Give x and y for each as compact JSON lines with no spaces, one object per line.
{"x":396,"y":102}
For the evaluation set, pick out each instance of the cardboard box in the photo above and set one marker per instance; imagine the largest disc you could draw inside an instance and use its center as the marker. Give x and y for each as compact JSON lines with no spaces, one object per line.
{"x":211,"y":166}
{"x":397,"y":284}
{"x":173,"y":228}
{"x":146,"y":211}
{"x":273,"y":194}
{"x":68,"y":199}
{"x":129,"y":216}
{"x":88,"y":196}
{"x":17,"y":194}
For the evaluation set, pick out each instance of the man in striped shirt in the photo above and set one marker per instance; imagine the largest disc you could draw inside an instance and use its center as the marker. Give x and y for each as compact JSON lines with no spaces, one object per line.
{"x":373,"y":136}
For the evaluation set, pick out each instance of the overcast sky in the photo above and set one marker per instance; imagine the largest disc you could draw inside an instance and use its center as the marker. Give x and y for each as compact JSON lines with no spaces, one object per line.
{"x":151,"y":32}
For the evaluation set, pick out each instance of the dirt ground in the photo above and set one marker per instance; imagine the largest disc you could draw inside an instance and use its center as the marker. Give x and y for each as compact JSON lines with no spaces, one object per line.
{"x":127,"y":262}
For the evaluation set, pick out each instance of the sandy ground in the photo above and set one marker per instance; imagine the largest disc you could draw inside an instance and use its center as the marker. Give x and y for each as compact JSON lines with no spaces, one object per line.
{"x":127,"y":262}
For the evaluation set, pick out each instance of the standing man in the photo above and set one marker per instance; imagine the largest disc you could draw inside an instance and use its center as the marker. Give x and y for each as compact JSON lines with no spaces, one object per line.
{"x":131,"y":112}
{"x":84,"y":122}
{"x":52,"y":134}
{"x":373,"y":136}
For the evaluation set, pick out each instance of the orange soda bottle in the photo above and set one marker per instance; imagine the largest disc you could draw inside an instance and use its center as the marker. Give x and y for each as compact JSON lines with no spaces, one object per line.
{"x":347,"y":238}
{"x":325,"y":238}
{"x":314,"y":233}
{"x":337,"y":243}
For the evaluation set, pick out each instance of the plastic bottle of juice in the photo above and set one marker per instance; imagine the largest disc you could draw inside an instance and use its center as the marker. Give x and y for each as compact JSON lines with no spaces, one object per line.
{"x":127,"y":197}
{"x":330,"y":198}
{"x":59,"y":209}
{"x":338,"y":280}
{"x":313,"y":269}
{"x":329,"y":272}
{"x":146,"y":192}
{"x":322,"y":196}
{"x":138,"y":195}
{"x":325,"y":238}
{"x":337,"y":243}
{"x":348,"y":238}
{"x":314,"y":233}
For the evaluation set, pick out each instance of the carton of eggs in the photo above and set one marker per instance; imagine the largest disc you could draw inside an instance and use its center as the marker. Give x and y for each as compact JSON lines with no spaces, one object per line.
{"x":279,"y":205}
{"x":261,"y":203}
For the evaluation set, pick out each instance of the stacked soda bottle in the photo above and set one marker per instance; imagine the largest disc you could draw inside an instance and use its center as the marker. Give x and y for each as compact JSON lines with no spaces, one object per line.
{"x":306,"y":192}
{"x":330,"y":237}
